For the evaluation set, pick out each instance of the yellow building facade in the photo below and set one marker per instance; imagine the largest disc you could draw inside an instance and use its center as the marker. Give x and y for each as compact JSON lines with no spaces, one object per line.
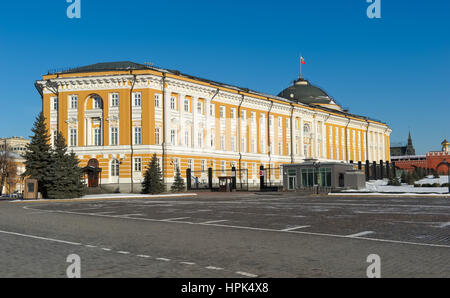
{"x":122,"y":113}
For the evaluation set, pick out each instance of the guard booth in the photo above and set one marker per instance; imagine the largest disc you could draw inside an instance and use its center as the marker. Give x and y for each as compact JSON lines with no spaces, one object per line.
{"x":226,"y":184}
{"x":31,"y":189}
{"x":93,"y":172}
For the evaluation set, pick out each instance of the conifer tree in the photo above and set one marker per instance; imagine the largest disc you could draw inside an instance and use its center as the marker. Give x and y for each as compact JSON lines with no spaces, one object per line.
{"x":178,"y":184}
{"x":38,"y":156}
{"x":153,"y":183}
{"x":64,"y":173}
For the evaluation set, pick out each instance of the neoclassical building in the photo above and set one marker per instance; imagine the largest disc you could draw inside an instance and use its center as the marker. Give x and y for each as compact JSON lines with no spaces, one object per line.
{"x":118,"y":114}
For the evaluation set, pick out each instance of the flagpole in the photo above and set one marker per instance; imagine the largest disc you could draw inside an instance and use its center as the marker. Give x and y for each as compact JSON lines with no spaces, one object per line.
{"x":301,"y":75}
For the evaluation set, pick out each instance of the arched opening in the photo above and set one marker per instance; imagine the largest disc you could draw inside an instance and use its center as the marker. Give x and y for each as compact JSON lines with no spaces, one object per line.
{"x":94,"y":120}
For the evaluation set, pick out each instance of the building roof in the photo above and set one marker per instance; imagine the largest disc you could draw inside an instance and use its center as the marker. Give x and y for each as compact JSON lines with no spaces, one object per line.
{"x":309,"y":96}
{"x":303,"y":91}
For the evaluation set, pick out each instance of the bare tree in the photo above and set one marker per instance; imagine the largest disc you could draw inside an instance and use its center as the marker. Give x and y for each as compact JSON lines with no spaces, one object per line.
{"x":7,"y":167}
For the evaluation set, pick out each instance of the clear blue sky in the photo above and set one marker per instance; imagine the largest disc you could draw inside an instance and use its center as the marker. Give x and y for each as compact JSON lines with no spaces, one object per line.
{"x":396,"y":69}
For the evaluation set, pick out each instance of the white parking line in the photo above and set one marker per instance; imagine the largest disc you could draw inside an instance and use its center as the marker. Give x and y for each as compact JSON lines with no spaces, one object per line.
{"x":360,"y":234}
{"x":174,"y":219}
{"x":91,"y":246}
{"x":213,"y":221}
{"x":123,"y":252}
{"x":143,"y":256}
{"x":295,"y":228}
{"x":129,"y":215}
{"x":246,"y":274}
{"x":213,"y":268}
{"x":187,"y":263}
{"x":163,"y":259}
{"x":106,"y":249}
{"x":40,"y":238}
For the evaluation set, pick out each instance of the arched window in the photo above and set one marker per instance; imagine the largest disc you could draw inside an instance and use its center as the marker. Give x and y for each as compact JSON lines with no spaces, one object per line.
{"x":306,"y":128}
{"x":115,"y":168}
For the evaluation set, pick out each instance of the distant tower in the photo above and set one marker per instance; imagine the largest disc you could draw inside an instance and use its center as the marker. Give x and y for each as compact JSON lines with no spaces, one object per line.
{"x":445,"y":144}
{"x":410,"y":148}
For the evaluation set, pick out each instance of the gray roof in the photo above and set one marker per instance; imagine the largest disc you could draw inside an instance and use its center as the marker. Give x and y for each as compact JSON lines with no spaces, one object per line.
{"x":302,"y":91}
{"x":107,"y":66}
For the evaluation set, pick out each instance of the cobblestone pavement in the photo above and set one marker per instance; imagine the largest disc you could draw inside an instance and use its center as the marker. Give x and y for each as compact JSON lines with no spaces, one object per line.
{"x":229,"y":235}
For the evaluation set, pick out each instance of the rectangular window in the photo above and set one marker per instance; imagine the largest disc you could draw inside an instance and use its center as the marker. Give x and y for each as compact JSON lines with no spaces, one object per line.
{"x":280,"y":125}
{"x":223,"y":167}
{"x":233,"y":113}
{"x":253,"y":116}
{"x":97,"y":103}
{"x":138,"y":135}
{"x":222,"y":112}
{"x":233,"y":143}
{"x":187,"y":137}
{"x":243,"y":144}
{"x":74,"y":102}
{"x":190,"y":164}
{"x":280,"y":148}
{"x":73,"y":137}
{"x":186,"y":105}
{"x":157,"y":100}
{"x":54,"y":103}
{"x":199,"y":107}
{"x":200,"y":139}
{"x":203,"y":165}
{"x":172,"y":137}
{"x":97,"y":137}
{"x":253,"y":146}
{"x":114,"y":100}
{"x":222,"y":142}
{"x":138,"y":164}
{"x":114,"y":136}
{"x":157,"y":135}
{"x":212,"y":138}
{"x":243,"y":115}
{"x":137,"y":99}
{"x":211,"y":109}
{"x":173,"y":105}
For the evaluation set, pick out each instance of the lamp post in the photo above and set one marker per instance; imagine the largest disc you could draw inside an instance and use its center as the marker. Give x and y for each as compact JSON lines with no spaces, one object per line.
{"x":316,"y":166}
{"x":445,"y":163}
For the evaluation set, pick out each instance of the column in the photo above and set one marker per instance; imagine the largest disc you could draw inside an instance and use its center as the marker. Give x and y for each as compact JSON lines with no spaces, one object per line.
{"x":166,"y":117}
{"x":302,"y":151}
{"x":194,"y":121}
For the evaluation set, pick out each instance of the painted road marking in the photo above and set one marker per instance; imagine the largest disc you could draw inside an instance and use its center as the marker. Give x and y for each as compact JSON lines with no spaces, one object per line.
{"x":213,"y":268}
{"x":213,"y":221}
{"x":187,"y":263}
{"x":123,"y":252}
{"x":143,"y":256}
{"x":360,"y":234}
{"x":163,"y":259}
{"x":91,"y":246}
{"x":106,"y":249}
{"x":246,"y":274}
{"x":174,"y":219}
{"x":129,"y":215}
{"x":40,"y":238}
{"x":258,"y":229}
{"x":295,"y":228}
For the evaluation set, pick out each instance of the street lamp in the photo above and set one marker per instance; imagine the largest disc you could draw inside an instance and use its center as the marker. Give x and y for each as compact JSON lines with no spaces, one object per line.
{"x":445,"y":163}
{"x":316,"y":166}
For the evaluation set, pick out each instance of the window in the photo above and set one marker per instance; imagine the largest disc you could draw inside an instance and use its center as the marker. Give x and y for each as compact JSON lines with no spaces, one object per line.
{"x":270,"y":121}
{"x":288,"y":149}
{"x":211,"y":109}
{"x":233,"y":113}
{"x":137,"y":99}
{"x":190,"y":164}
{"x":263,"y":147}
{"x":222,"y":112}
{"x":138,"y":135}
{"x":172,"y":137}
{"x":212,"y":138}
{"x":203,"y":165}
{"x":288,"y":126}
{"x":186,"y":105}
{"x":176,"y":165}
{"x":222,"y":142}
{"x":114,"y":136}
{"x":243,"y":144}
{"x":223,"y":167}
{"x":243,"y":115}
{"x":280,"y":125}
{"x":253,"y":116}
{"x":157,"y":100}
{"x":233,"y":143}
{"x":199,"y":107}
{"x":187,"y":137}
{"x":115,"y":168}
{"x":173,"y":105}
{"x":114,"y":100}
{"x":54,"y":103}
{"x":280,"y":148}
{"x":137,"y":164}
{"x":253,"y":146}
{"x":157,"y":136}
{"x":73,"y":137}
{"x":200,"y":139}
{"x":97,"y":137}
{"x":97,"y":103}
{"x":74,"y":102}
